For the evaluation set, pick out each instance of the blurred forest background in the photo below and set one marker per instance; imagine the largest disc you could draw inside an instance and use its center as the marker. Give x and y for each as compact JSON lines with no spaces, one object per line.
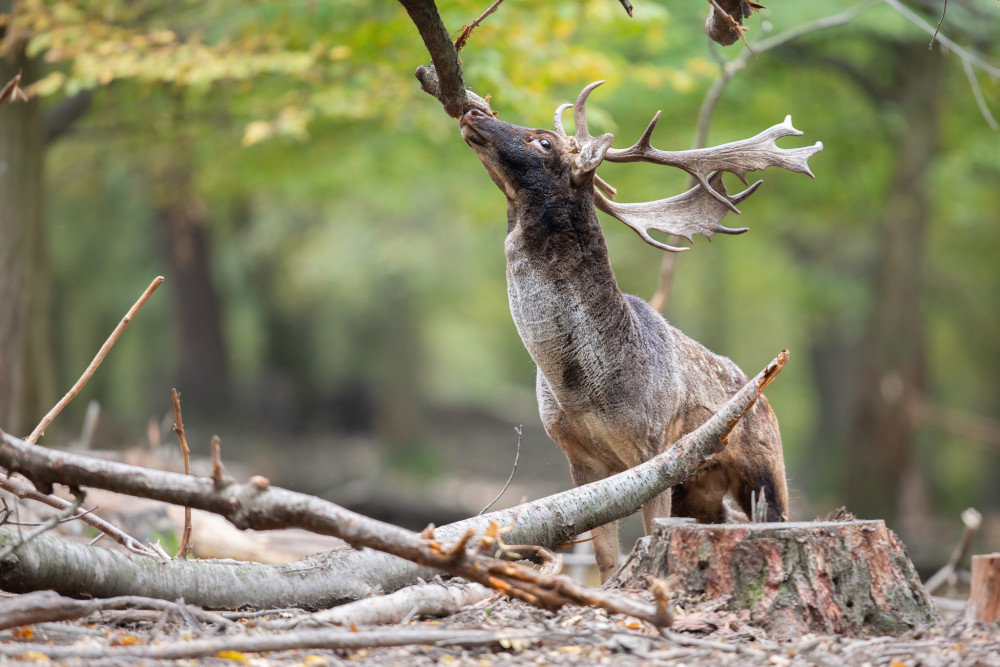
{"x":335,"y":305}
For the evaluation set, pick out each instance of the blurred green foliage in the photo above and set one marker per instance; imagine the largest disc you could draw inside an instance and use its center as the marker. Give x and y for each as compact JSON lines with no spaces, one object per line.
{"x":357,"y":244}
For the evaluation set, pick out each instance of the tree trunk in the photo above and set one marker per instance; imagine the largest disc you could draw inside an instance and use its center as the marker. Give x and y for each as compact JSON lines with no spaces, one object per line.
{"x":846,"y":577}
{"x":202,"y":374}
{"x":879,"y":451}
{"x":21,"y":235}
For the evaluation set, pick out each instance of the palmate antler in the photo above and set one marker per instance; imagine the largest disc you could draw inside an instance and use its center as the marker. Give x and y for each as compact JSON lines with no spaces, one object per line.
{"x":699,"y":210}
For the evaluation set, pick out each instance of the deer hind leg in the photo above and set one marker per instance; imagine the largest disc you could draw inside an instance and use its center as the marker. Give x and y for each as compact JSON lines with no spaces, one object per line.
{"x":606,"y":536}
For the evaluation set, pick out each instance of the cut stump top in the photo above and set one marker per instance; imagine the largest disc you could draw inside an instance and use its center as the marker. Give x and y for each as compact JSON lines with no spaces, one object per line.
{"x":851,"y":578}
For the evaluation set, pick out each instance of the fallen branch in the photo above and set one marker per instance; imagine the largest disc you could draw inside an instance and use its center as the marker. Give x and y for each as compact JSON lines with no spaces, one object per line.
{"x":550,"y":522}
{"x":49,"y":606}
{"x":24,"y":489}
{"x":44,"y":527}
{"x":434,"y":600}
{"x":304,"y":639}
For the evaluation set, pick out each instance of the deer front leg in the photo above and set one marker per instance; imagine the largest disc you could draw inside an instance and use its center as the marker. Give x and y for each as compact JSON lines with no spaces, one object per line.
{"x":606,"y":536}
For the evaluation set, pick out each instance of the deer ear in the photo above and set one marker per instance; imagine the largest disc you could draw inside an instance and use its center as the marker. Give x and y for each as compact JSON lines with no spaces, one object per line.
{"x":590,"y":157}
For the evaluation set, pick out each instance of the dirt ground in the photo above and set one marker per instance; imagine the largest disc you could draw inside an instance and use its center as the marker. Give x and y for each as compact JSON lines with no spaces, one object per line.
{"x":492,"y":632}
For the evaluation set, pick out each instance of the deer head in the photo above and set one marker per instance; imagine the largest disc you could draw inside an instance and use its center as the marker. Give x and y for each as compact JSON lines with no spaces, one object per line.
{"x":522,"y":160}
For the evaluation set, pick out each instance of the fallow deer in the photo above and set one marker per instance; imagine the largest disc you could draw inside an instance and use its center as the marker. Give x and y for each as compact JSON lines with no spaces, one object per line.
{"x":617,"y":384}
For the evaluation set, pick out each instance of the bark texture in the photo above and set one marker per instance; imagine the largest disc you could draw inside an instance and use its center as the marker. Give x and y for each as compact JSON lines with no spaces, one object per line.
{"x":984,"y":595}
{"x":846,"y":577}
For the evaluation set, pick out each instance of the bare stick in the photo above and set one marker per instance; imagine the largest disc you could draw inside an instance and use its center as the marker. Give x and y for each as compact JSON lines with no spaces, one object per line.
{"x":71,"y":394}
{"x":48,"y":606}
{"x":12,"y":89}
{"x":517,"y":455}
{"x":337,"y":638}
{"x":972,"y":520}
{"x":45,"y":526}
{"x":467,"y":30}
{"x":434,"y":600}
{"x":185,"y":546}
{"x":23,"y":488}
{"x":944,"y":10}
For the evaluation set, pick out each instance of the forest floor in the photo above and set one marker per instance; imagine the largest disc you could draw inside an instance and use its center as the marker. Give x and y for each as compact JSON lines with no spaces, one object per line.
{"x":492,"y":632}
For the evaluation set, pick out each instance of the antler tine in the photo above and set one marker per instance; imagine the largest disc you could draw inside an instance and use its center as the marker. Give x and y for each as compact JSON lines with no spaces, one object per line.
{"x":580,"y":113}
{"x":557,"y":123}
{"x":558,"y":116}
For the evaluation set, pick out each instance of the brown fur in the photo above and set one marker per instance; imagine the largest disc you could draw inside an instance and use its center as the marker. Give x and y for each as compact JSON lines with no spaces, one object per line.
{"x":616,"y":383}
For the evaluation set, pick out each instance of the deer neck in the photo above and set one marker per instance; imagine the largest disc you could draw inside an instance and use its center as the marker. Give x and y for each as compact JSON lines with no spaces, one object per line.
{"x":566,"y":304}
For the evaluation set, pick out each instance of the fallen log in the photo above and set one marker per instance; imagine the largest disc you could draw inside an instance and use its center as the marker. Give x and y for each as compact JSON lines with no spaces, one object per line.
{"x":550,"y":522}
{"x":844,"y":577}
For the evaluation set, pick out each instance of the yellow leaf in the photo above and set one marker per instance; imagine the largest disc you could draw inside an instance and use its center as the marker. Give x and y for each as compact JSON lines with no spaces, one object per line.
{"x":47,"y":85}
{"x":313,"y":660}
{"x":256,"y":132}
{"x":23,"y":633}
{"x":231,"y":655}
{"x":34,"y":656}
{"x":127,"y":640}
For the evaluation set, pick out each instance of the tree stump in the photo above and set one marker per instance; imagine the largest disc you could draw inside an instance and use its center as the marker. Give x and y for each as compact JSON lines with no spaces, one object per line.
{"x":984,"y":594}
{"x":844,"y":577}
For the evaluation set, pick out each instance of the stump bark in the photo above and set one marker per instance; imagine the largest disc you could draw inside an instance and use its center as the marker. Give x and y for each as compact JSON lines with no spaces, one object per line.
{"x":845,"y":577}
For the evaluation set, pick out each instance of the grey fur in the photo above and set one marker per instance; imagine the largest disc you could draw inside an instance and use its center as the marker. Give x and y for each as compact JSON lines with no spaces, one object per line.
{"x":616,"y":383}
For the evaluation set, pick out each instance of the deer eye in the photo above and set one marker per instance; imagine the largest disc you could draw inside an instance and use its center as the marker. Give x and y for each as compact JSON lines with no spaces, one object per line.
{"x":545,"y":143}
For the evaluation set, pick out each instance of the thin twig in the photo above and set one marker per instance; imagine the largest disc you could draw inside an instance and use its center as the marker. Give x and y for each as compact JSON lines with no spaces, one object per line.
{"x":71,"y":394}
{"x":24,"y":489}
{"x":185,"y":546}
{"x":972,"y":520}
{"x":12,"y":89}
{"x":944,"y":10}
{"x":517,"y":455}
{"x":467,"y":30}
{"x":46,"y":526}
{"x":728,"y":69}
{"x":965,"y":55}
{"x":977,"y":93}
